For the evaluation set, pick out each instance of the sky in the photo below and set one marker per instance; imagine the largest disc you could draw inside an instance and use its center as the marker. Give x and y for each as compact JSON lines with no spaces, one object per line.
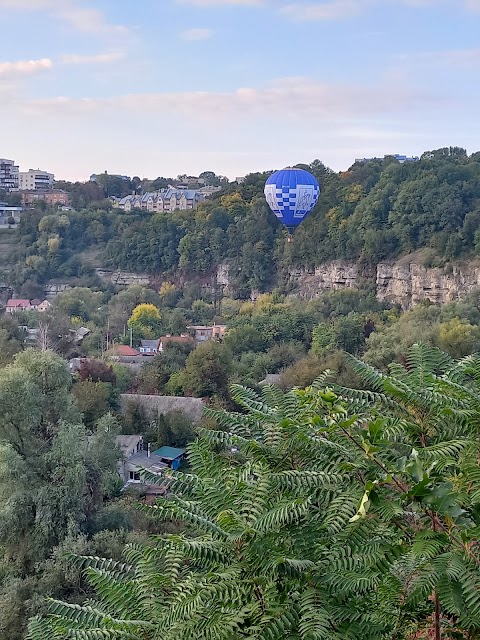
{"x":166,"y":87}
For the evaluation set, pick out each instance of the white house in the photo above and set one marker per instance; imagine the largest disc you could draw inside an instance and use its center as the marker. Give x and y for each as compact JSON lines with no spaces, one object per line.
{"x":149,"y":347}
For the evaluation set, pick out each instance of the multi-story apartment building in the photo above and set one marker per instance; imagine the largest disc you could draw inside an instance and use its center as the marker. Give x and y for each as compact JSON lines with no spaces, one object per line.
{"x":165,"y":200}
{"x":35,"y":180}
{"x":8,"y":175}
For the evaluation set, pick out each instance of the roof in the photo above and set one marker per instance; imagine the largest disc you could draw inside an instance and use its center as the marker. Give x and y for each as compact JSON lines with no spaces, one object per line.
{"x":199,"y":327}
{"x":271,"y":378}
{"x":143,"y":461}
{"x":184,"y":339}
{"x":152,"y":344}
{"x":125,"y":350}
{"x":18,"y":302}
{"x":35,"y":302}
{"x":126,"y":443}
{"x":169,"y":453}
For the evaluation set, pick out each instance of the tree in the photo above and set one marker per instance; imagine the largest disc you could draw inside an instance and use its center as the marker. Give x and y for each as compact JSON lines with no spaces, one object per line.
{"x":9,"y":346}
{"x":96,"y":371}
{"x":146,"y":321}
{"x":50,"y":482}
{"x":314,"y":518}
{"x":207,"y":370}
{"x":80,"y":302}
{"x":94,"y":399}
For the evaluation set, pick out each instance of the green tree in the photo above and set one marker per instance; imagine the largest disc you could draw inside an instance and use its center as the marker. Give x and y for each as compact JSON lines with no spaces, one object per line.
{"x":457,"y":337}
{"x":94,"y":399}
{"x":50,"y":481}
{"x":207,"y":370}
{"x":80,"y":302}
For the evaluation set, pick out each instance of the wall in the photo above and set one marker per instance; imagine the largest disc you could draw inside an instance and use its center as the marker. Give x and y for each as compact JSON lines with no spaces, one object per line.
{"x":162,"y":405}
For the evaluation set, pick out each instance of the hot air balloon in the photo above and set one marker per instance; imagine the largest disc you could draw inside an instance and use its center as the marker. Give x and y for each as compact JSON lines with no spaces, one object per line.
{"x":291,"y":194}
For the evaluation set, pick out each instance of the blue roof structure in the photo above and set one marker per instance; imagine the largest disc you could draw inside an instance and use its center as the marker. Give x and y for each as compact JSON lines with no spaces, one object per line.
{"x":169,"y":453}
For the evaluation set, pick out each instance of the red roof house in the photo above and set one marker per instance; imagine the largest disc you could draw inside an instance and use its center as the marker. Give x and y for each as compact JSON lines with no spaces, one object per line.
{"x":17,"y":304}
{"x":124,"y":351}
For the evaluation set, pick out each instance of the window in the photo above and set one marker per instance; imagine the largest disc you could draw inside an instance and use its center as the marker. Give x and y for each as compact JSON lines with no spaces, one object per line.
{"x":134,"y":476}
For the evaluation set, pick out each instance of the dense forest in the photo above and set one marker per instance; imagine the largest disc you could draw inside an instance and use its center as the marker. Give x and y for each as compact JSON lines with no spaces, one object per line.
{"x":374,"y":211}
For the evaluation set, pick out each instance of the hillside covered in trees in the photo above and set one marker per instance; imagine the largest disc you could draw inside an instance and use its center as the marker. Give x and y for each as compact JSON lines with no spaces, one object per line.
{"x":374,"y":211}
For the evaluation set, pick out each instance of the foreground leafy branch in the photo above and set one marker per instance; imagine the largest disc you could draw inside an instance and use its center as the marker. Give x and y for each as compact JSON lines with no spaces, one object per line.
{"x":325,"y":513}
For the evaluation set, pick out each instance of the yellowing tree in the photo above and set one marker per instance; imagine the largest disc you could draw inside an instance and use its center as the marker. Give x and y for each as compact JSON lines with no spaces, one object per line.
{"x":145,"y":321}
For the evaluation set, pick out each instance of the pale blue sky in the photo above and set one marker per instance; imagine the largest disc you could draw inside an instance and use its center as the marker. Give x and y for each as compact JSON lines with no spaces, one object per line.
{"x":162,"y":87}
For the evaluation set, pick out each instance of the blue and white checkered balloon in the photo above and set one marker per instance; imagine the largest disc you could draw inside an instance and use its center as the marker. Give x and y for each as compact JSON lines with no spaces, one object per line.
{"x":291,"y":195}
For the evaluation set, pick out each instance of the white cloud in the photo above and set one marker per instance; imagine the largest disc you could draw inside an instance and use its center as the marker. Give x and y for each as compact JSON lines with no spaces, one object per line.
{"x":344,"y":9}
{"x":99,"y":58}
{"x":222,"y":3}
{"x":196,"y":34}
{"x":332,"y":10}
{"x":87,"y":20}
{"x":25,"y":67}
{"x":455,"y":57}
{"x":287,"y":98}
{"x":81,"y":18}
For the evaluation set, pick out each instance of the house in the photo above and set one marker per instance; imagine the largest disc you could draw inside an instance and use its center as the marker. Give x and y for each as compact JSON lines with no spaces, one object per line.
{"x":136,"y":458}
{"x":45,"y":305}
{"x":218,"y":331}
{"x":131,"y":358}
{"x":7,"y":213}
{"x":123,"y":351}
{"x":164,"y":340}
{"x":31,"y":336}
{"x":202,"y":333}
{"x":79,"y":334}
{"x":149,"y":347}
{"x":272,"y":379}
{"x":75,"y":364}
{"x":169,"y":199}
{"x":170,"y":456}
{"x":17,"y":304}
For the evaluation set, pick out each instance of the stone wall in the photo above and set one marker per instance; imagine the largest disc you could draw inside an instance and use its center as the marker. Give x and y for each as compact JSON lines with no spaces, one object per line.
{"x":162,"y":405}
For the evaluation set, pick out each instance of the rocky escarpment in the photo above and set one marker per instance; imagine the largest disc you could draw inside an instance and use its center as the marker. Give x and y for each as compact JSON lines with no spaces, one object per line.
{"x":330,"y":276}
{"x":404,"y":283}
{"x":123,"y":278}
{"x":412,"y":283}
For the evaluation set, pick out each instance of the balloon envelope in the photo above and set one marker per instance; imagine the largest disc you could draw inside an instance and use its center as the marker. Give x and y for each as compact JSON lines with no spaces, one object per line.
{"x":291,"y":195}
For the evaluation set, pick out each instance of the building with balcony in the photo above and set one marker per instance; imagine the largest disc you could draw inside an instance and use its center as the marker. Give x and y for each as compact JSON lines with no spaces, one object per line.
{"x":35,"y":180}
{"x":8,"y":175}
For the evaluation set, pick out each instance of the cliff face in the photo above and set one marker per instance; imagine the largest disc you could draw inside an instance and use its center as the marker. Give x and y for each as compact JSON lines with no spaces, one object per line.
{"x":401,"y":283}
{"x":410,"y":284}
{"x":123,"y":278}
{"x":332,"y":275}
